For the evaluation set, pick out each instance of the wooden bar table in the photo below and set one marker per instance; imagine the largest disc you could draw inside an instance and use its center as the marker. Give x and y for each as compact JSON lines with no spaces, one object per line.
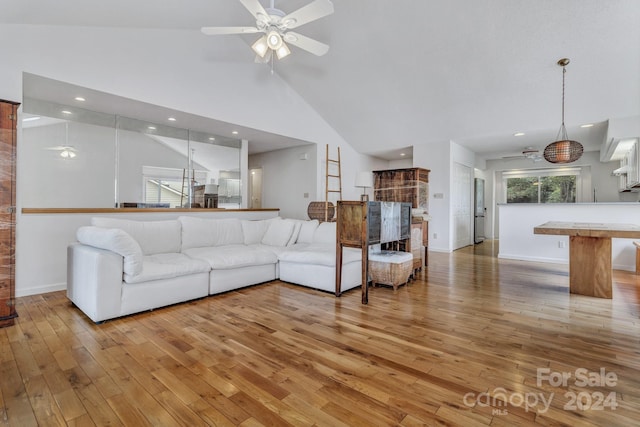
{"x":590,"y":253}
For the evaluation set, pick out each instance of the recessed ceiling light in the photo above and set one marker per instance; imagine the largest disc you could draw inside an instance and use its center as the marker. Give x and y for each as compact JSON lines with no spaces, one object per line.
{"x":235,"y":132}
{"x":518,"y":134}
{"x":172,"y":119}
{"x":79,"y":98}
{"x":211,"y":138}
{"x":151,"y":127}
{"x":66,"y":112}
{"x":588,"y":125}
{"x":30,"y":119}
{"x":402,"y":154}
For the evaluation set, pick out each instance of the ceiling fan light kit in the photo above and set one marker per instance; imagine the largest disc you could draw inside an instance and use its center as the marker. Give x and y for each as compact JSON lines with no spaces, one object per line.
{"x":563,"y":150}
{"x":260,"y":46}
{"x":275,"y":26}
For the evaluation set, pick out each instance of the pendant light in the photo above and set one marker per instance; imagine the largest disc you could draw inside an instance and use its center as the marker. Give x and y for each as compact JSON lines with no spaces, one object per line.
{"x":563,"y":150}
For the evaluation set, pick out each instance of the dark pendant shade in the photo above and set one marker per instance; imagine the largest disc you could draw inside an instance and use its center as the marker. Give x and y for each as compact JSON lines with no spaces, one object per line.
{"x":565,"y":151}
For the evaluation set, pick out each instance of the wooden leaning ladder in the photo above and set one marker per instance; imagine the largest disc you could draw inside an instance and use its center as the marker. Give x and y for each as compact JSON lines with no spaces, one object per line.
{"x":185,"y":186}
{"x":337,"y":176}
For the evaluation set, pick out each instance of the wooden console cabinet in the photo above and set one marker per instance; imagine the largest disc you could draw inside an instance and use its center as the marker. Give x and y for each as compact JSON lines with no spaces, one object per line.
{"x":8,"y":120}
{"x":360,"y":224}
{"x":409,"y":185}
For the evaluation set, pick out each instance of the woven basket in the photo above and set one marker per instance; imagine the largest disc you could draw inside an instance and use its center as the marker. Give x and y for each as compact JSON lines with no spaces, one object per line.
{"x":316,"y":211}
{"x":390,"y":273}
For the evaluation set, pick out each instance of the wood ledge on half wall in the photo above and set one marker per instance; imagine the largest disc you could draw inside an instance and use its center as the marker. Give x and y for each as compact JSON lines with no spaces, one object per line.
{"x":134,"y":210}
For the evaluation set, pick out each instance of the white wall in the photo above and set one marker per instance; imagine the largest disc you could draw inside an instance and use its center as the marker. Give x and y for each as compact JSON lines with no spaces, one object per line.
{"x":517,"y":221}
{"x":436,"y":156}
{"x":400,"y":164}
{"x":286,"y":177}
{"x":351,"y":163}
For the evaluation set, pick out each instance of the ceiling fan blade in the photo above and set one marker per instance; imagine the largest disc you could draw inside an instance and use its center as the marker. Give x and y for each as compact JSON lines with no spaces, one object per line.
{"x":314,"y":10}
{"x":61,"y":147}
{"x":306,"y":43}
{"x":215,"y":31}
{"x":256,"y":9}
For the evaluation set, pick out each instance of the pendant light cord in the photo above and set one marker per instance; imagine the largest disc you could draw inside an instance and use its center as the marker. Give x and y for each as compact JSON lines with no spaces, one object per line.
{"x":564,"y":70}
{"x":562,"y":132}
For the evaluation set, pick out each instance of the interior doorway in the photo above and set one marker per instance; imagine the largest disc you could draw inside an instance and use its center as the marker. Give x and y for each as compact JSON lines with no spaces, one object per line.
{"x":255,"y":188}
{"x":461,"y":207}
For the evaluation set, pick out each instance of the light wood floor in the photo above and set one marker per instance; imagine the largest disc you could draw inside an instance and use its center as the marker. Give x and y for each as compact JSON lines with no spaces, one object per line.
{"x":279,"y":354}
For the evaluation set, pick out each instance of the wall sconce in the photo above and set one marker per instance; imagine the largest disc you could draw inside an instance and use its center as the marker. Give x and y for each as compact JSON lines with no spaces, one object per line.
{"x":364,"y":180}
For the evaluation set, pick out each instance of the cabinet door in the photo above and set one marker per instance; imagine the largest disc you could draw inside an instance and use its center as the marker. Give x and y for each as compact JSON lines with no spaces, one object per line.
{"x":8,"y":117}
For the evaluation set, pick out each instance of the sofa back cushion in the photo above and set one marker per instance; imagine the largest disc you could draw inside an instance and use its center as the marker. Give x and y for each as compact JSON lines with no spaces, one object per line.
{"x":297,"y":226}
{"x":279,"y":232}
{"x":325,"y":233}
{"x":306,"y":231}
{"x":253,"y":231}
{"x":115,"y":240}
{"x":154,"y":237}
{"x":205,"y":232}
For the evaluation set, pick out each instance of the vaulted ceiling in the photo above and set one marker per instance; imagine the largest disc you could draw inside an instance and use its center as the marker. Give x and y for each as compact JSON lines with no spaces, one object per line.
{"x":402,"y":73}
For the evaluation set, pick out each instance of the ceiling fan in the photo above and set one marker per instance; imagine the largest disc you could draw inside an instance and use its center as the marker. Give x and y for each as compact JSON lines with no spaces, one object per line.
{"x":274,"y":24}
{"x":66,"y":151}
{"x":528,"y":153}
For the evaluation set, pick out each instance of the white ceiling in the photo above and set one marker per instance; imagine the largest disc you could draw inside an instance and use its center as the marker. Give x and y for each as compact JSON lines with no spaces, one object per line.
{"x":403,"y":73}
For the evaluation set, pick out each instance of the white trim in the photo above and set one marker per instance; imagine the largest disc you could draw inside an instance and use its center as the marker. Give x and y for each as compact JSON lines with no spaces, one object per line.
{"x":21,"y":292}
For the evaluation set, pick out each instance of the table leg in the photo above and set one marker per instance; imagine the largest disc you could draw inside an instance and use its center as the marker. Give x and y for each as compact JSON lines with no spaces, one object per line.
{"x":590,"y":266}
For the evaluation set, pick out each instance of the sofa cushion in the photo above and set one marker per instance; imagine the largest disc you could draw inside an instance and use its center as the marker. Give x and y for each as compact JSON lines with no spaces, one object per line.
{"x":325,"y":233}
{"x":204,"y":232}
{"x":154,"y":237}
{"x":232,"y":256}
{"x":166,"y":266}
{"x":115,"y":240}
{"x":297,"y":225}
{"x":278,"y":233}
{"x":320,"y":254}
{"x":253,"y":231}
{"x":306,"y":231}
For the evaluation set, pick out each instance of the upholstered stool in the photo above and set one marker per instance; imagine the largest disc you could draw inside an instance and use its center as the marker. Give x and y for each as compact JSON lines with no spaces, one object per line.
{"x":390,"y":268}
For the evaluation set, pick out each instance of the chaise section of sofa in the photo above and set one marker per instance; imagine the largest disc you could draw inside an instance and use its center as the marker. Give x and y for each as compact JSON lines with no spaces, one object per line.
{"x":120,"y":267}
{"x":313,"y":264}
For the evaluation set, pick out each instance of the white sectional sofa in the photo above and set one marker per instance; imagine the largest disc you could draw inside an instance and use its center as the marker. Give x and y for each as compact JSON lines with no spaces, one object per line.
{"x":120,"y":267}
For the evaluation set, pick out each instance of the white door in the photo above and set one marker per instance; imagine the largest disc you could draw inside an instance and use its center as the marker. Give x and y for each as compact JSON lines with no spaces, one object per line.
{"x":255,"y":188}
{"x":461,"y":209}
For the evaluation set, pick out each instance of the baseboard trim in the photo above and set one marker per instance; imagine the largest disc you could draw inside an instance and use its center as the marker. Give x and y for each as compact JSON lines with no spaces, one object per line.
{"x":533,"y":259}
{"x":41,"y":289}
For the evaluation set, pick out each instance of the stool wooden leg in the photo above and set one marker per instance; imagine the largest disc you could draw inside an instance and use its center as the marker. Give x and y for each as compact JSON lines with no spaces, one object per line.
{"x":637,"y":260}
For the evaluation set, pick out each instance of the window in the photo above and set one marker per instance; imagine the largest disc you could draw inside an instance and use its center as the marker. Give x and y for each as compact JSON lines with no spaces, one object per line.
{"x":542,"y":186}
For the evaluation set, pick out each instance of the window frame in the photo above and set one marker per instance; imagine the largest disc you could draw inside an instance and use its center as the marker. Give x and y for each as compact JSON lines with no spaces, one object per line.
{"x":541,"y":173}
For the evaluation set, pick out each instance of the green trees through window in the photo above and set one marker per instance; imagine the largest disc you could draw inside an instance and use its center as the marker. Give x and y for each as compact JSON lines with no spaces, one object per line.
{"x":542,"y":189}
